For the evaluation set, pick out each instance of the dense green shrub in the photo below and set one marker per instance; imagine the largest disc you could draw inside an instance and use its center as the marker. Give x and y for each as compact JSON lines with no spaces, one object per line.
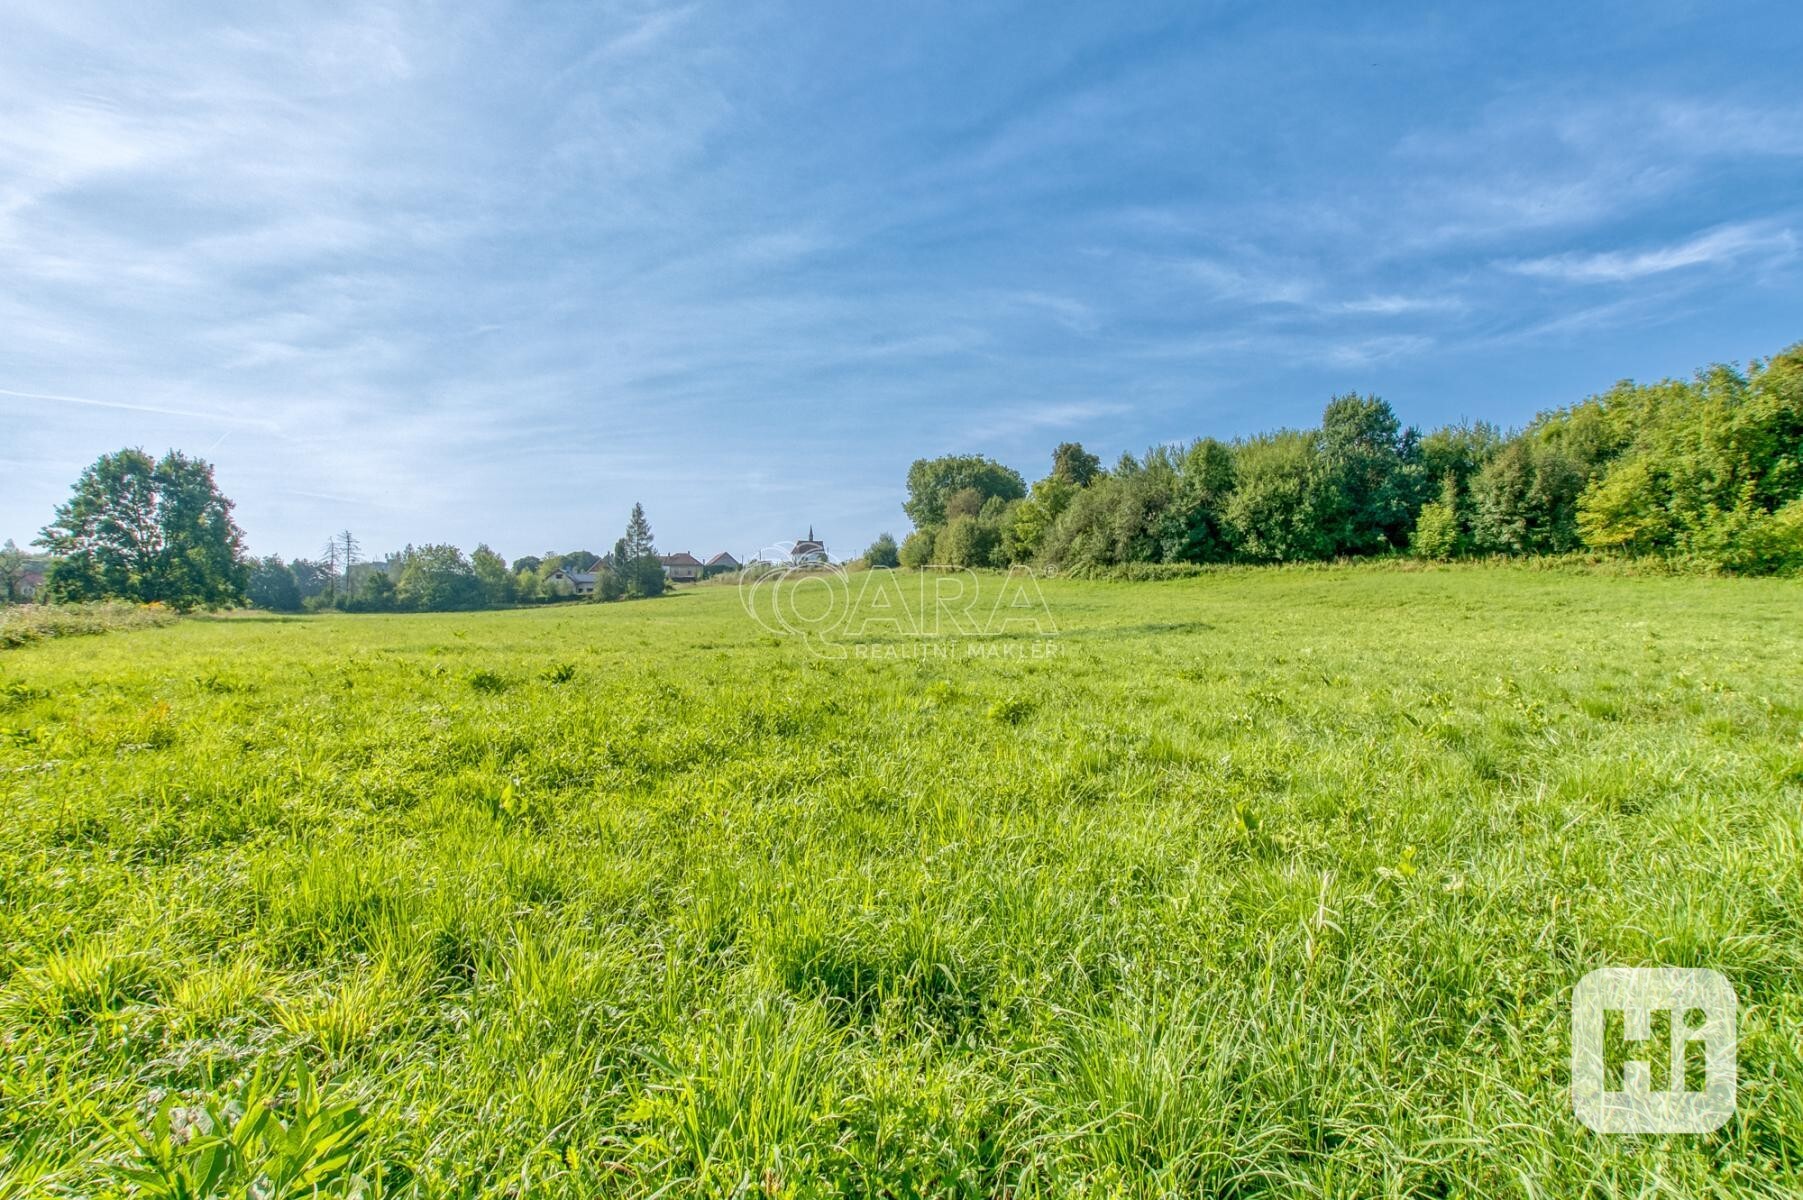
{"x":883,"y":552}
{"x":966,"y":541}
{"x":1282,"y":505}
{"x":1437,"y":530}
{"x":1700,"y":468}
{"x":438,"y":578}
{"x":25,"y":623}
{"x":916,"y":550}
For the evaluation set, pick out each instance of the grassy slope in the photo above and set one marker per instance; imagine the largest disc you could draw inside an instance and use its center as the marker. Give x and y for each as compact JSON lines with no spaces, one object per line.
{"x":1266,"y":882}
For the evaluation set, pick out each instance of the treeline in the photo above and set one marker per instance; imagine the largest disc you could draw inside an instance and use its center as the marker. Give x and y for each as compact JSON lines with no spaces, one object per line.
{"x":158,"y":531}
{"x":1707,"y":472}
{"x":440,"y":578}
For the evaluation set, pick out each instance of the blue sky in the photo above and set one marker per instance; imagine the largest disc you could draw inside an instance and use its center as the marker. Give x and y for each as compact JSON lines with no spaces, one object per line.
{"x":490,"y":272}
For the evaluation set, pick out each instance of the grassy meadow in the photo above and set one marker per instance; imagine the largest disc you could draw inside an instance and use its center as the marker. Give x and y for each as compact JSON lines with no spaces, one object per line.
{"x":1268,"y":882}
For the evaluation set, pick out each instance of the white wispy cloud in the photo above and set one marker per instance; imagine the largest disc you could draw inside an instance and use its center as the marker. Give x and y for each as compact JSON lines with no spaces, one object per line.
{"x":1366,"y":351}
{"x":1716,"y":247}
{"x":43,"y":398}
{"x":1393,"y":305}
{"x":1541,"y":160}
{"x":1024,"y":419}
{"x":1251,"y":283}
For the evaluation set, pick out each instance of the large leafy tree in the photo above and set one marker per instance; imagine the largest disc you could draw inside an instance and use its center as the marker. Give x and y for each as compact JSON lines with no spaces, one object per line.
{"x":376,"y":592}
{"x":1365,"y":456}
{"x":1074,"y":465}
{"x":272,"y":586}
{"x":1196,"y":530}
{"x":932,"y":482}
{"x":311,"y":577}
{"x":491,"y":570}
{"x":142,"y":529}
{"x":1182,"y":499}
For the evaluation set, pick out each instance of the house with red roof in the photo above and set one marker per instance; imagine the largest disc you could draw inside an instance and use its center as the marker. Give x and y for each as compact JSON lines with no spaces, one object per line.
{"x":681,"y":567}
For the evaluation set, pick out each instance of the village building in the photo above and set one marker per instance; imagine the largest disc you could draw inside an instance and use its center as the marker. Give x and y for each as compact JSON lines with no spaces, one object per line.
{"x":809,"y":551}
{"x":580,"y":583}
{"x":681,"y":567}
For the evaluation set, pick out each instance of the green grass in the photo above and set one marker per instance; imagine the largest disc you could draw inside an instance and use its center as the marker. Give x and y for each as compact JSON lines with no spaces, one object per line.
{"x":1262,"y":883}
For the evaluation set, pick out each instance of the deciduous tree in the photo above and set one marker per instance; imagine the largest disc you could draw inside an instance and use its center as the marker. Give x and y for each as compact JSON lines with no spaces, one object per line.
{"x":147,"y":530}
{"x":932,"y":482}
{"x":1074,"y":465}
{"x":491,"y":572}
{"x":437,"y":578}
{"x":271,"y":586}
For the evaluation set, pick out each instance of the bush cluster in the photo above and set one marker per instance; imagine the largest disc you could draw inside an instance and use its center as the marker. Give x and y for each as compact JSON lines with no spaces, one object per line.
{"x":26,"y":623}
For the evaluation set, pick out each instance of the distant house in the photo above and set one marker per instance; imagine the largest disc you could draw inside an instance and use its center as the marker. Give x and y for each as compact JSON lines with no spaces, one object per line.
{"x":681,"y":567}
{"x":809,"y":551}
{"x":721,"y":563}
{"x":581,"y":583}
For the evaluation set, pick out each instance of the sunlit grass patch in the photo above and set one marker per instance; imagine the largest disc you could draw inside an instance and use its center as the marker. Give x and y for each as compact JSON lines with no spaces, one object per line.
{"x":83,"y":981}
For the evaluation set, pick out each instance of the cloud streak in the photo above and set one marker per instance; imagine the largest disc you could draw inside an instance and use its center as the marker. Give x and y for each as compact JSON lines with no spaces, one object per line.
{"x":124,"y":406}
{"x":1717,"y":247}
